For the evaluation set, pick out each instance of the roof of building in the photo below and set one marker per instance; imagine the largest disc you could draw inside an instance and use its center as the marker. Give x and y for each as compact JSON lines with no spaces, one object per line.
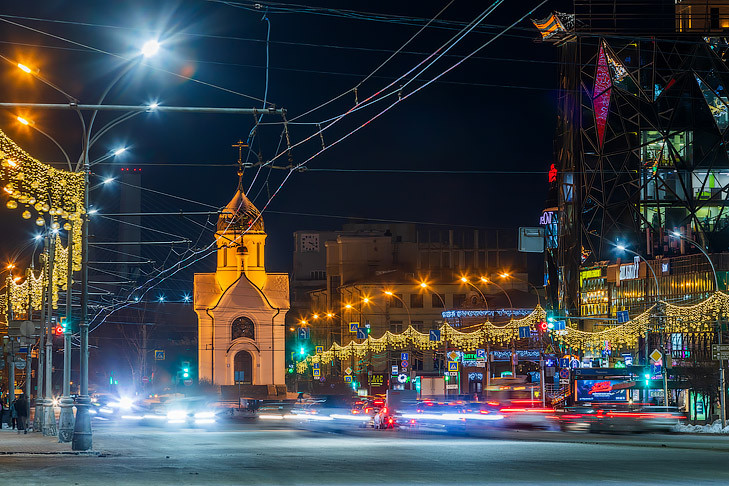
{"x":241,"y":215}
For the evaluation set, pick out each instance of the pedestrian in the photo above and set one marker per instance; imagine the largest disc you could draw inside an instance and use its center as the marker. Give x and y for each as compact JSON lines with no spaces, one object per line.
{"x":21,"y":408}
{"x":13,"y":415}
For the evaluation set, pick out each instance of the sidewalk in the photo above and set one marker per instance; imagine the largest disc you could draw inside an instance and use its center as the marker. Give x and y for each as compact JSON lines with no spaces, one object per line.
{"x":34,"y":443}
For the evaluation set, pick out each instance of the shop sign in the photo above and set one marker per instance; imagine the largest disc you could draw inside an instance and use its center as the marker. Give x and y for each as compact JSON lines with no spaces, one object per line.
{"x":593,"y":273}
{"x":630,"y":271}
{"x":475,"y":377}
{"x":525,"y":354}
{"x":377,"y":379}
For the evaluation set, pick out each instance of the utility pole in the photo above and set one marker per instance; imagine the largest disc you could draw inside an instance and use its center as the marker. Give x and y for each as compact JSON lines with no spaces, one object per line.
{"x":49,"y":420}
{"x":65,"y":421}
{"x":39,"y":396}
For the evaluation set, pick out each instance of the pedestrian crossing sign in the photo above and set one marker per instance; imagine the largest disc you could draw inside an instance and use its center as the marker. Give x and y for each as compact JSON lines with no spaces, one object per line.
{"x":319,"y":349}
{"x":348,"y":379}
{"x":317,"y":373}
{"x":453,"y":366}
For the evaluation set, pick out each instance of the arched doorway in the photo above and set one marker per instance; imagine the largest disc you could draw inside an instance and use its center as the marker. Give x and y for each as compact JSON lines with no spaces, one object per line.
{"x":243,"y":368}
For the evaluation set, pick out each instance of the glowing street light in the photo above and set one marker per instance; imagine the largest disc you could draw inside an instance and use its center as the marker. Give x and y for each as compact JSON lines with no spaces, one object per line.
{"x":330,"y":315}
{"x":150,"y":48}
{"x":24,"y":121}
{"x":108,"y":180}
{"x":347,"y":306}
{"x":120,"y":151}
{"x":25,"y":68}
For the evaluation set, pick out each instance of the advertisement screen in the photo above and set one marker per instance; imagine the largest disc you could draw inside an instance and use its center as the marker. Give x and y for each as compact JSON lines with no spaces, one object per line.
{"x":600,"y":391}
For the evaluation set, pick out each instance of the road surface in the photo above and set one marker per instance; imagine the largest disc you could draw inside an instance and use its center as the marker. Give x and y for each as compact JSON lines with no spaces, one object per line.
{"x":275,"y":454}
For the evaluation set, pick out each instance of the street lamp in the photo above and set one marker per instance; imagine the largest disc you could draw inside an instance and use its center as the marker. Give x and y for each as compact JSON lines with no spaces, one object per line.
{"x":487,"y":281}
{"x":29,"y":123}
{"x":722,"y":382}
{"x":425,"y":286}
{"x":390,"y":293}
{"x":506,"y":275}
{"x":465,"y":280}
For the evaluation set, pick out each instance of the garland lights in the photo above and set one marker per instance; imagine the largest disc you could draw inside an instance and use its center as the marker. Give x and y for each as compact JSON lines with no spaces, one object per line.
{"x":699,"y":318}
{"x":35,"y":188}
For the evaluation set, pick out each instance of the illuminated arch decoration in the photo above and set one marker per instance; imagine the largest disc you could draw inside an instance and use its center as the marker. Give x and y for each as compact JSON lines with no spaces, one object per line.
{"x":37,"y":189}
{"x":676,"y":319}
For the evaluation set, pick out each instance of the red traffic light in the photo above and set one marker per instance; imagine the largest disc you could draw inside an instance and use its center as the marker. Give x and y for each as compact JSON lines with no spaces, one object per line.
{"x":58,"y":330}
{"x":542,"y":326}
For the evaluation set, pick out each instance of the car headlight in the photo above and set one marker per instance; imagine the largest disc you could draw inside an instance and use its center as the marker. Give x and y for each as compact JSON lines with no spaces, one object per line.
{"x":205,"y":415}
{"x":176,"y":415}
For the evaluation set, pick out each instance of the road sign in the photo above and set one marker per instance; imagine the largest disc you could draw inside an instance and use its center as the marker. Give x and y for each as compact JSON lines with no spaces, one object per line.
{"x":434,"y":335}
{"x":348,"y":379}
{"x":560,"y":325}
{"x":451,"y":373}
{"x":402,"y":378}
{"x":564,"y":373}
{"x":394,"y":370}
{"x":655,"y":369}
{"x":564,"y":381}
{"x":550,"y":350}
{"x":361,"y":333}
{"x":453,"y":366}
{"x":187,"y":382}
{"x":317,"y":373}
{"x":159,"y":354}
{"x":404,"y":364}
{"x":353,"y":326}
{"x":524,"y":332}
{"x":656,"y":355}
{"x":720,"y":351}
{"x":575,"y":363}
{"x":348,"y":371}
{"x":453,"y":355}
{"x":623,"y":316}
{"x":564,"y":362}
{"x":304,"y":333}
{"x":145,"y":379}
{"x":319,"y":349}
{"x":315,"y":366}
{"x":20,"y":364}
{"x":404,"y":356}
{"x":481,"y":353}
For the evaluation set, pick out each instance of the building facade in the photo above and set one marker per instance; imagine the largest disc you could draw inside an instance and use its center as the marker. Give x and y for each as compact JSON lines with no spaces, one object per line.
{"x":241,"y":308}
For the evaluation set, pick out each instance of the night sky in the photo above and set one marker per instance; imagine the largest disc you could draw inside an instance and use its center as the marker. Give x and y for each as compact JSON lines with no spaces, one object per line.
{"x":494,"y":115}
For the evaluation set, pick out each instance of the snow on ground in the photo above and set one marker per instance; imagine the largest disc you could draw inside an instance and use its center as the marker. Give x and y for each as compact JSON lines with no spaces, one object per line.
{"x":714,"y":428}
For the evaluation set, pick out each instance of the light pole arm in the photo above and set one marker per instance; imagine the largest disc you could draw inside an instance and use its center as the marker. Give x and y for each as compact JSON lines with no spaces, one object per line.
{"x":701,"y":249}
{"x":480,"y":293}
{"x":68,"y":160}
{"x":508,"y":298}
{"x":407,"y":309}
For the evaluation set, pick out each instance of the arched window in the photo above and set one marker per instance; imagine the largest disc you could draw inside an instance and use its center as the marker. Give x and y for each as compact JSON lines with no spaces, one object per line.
{"x":242,"y":327}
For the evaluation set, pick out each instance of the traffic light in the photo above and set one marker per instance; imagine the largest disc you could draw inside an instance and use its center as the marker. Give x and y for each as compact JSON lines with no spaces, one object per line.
{"x":543,"y":326}
{"x":185,"y":369}
{"x":58,"y":330}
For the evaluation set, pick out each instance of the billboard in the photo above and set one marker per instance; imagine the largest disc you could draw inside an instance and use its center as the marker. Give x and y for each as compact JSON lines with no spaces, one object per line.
{"x":600,"y":391}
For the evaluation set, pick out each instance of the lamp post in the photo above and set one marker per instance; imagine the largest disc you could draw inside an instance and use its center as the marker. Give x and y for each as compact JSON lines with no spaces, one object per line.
{"x":30,"y":123}
{"x":424,"y":285}
{"x":722,"y":382}
{"x":658,"y":301}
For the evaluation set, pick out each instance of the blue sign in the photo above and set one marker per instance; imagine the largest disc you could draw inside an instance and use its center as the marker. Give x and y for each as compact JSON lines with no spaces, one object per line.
{"x":601,"y":391}
{"x":628,"y":359}
{"x":319,"y":349}
{"x":434,"y":335}
{"x":564,"y":362}
{"x":564,"y":373}
{"x":524,"y":332}
{"x":159,"y":354}
{"x":623,"y":316}
{"x":560,"y":325}
{"x":575,"y":363}
{"x":315,"y":366}
{"x":348,"y":379}
{"x":655,"y":369}
{"x":481,"y":353}
{"x":361,"y":333}
{"x":353,"y":326}
{"x":303,"y":333}
{"x":404,"y":356}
